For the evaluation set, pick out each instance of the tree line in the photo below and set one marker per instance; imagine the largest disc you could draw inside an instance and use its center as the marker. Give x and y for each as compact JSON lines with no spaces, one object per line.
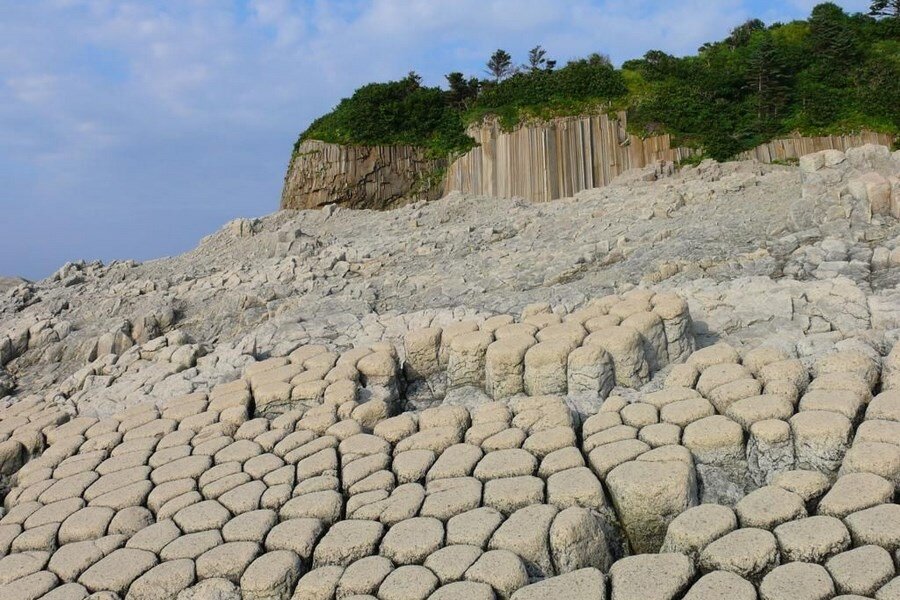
{"x":830,"y":73}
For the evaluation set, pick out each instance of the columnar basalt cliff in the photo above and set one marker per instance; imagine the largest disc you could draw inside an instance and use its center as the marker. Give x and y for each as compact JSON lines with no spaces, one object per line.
{"x":538,"y":161}
{"x":796,"y":146}
{"x":555,"y":159}
{"x":378,"y":177}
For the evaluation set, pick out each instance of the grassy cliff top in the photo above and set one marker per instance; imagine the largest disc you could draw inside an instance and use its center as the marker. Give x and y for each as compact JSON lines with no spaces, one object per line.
{"x":831,"y":73}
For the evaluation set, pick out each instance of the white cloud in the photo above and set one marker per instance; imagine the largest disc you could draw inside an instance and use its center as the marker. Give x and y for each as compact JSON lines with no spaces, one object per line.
{"x":851,"y":6}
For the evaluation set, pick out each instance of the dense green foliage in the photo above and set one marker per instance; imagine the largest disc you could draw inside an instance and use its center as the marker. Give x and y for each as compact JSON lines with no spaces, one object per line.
{"x":398,"y":112}
{"x":545,"y":92}
{"x":832,"y":73}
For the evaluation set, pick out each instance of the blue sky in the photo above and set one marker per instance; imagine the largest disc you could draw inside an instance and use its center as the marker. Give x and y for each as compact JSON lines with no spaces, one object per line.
{"x":131,"y":128}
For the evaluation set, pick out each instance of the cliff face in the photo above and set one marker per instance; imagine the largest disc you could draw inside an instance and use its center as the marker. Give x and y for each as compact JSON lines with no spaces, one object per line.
{"x":797,"y":146}
{"x":377,"y":177}
{"x":539,"y":162}
{"x":556,"y":159}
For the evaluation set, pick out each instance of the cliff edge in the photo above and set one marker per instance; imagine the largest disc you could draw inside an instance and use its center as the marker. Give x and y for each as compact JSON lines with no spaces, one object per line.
{"x":375,"y":177}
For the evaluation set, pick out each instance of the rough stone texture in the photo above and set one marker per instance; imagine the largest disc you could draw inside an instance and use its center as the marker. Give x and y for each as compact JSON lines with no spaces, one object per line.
{"x":697,"y":527}
{"x":380,"y":177}
{"x":749,"y":553}
{"x":583,"y":584}
{"x":813,"y":539}
{"x":721,"y":585}
{"x":651,"y":577}
{"x":307,"y":407}
{"x":647,"y":496}
{"x":861,"y":571}
{"x":797,"y":581}
{"x":272,"y":576}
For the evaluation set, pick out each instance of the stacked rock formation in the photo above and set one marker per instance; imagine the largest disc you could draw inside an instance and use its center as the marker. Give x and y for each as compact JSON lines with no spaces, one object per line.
{"x":745,"y":475}
{"x":614,"y":340}
{"x":450,"y":401}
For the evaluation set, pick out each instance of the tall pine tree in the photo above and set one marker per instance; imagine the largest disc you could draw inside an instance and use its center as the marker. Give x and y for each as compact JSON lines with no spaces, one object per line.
{"x":767,"y":78}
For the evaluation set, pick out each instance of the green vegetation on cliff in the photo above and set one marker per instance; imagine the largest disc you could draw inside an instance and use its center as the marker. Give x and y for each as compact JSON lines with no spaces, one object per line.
{"x":831,"y":73}
{"x":394,"y":113}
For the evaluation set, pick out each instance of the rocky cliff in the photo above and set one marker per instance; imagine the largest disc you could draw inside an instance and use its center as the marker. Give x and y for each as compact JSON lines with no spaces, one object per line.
{"x":559,"y":158}
{"x":378,"y":177}
{"x":796,"y":146}
{"x":537,"y":161}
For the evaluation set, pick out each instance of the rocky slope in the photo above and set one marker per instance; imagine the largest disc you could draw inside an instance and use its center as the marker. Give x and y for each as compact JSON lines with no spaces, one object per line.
{"x":668,"y":389}
{"x":7,"y":283}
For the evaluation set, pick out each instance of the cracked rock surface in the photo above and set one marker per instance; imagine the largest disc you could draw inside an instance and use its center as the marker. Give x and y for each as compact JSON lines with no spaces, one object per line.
{"x":679,"y":389}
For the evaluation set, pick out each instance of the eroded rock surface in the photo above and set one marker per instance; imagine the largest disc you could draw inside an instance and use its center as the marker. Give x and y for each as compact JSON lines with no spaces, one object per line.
{"x":312,"y":406}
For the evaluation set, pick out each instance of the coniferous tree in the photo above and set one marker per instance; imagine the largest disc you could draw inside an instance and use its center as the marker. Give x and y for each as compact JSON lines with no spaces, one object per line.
{"x":740,"y":35}
{"x":766,"y":78}
{"x":500,"y":65}
{"x":538,"y":61}
{"x":462,"y":91}
{"x":830,"y":34}
{"x":414,"y":79}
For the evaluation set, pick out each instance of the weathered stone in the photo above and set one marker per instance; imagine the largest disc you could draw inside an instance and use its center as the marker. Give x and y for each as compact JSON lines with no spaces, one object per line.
{"x":797,"y":581}
{"x":272,"y":576}
{"x":163,"y":581}
{"x":721,"y":585}
{"x":861,"y":571}
{"x":501,"y":569}
{"x":409,"y":582}
{"x":411,"y":541}
{"x":879,"y":525}
{"x":584,"y":584}
{"x":228,"y":561}
{"x":364,"y":576}
{"x":750,"y":553}
{"x":297,"y":535}
{"x":577,"y":541}
{"x":347,"y":541}
{"x":651,"y":577}
{"x":812,"y":539}
{"x":526,"y":532}
{"x":768,"y":507}
{"x":450,"y":563}
{"x":118,"y":570}
{"x":697,"y":527}
{"x":647,"y":496}
{"x":474,"y":527}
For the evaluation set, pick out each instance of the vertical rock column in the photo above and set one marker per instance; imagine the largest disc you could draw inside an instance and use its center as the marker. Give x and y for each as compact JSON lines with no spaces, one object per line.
{"x":545,"y":367}
{"x":821,"y":439}
{"x":626,"y":347}
{"x":770,"y":450}
{"x":676,"y":318}
{"x":505,"y":366}
{"x":423,"y":370}
{"x":890,"y":378}
{"x":652,"y":331}
{"x":466,"y":363}
{"x":590,"y":370}
{"x":717,"y":445}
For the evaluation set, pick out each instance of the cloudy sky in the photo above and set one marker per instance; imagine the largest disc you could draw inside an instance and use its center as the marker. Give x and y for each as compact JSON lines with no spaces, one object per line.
{"x":131,"y":128}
